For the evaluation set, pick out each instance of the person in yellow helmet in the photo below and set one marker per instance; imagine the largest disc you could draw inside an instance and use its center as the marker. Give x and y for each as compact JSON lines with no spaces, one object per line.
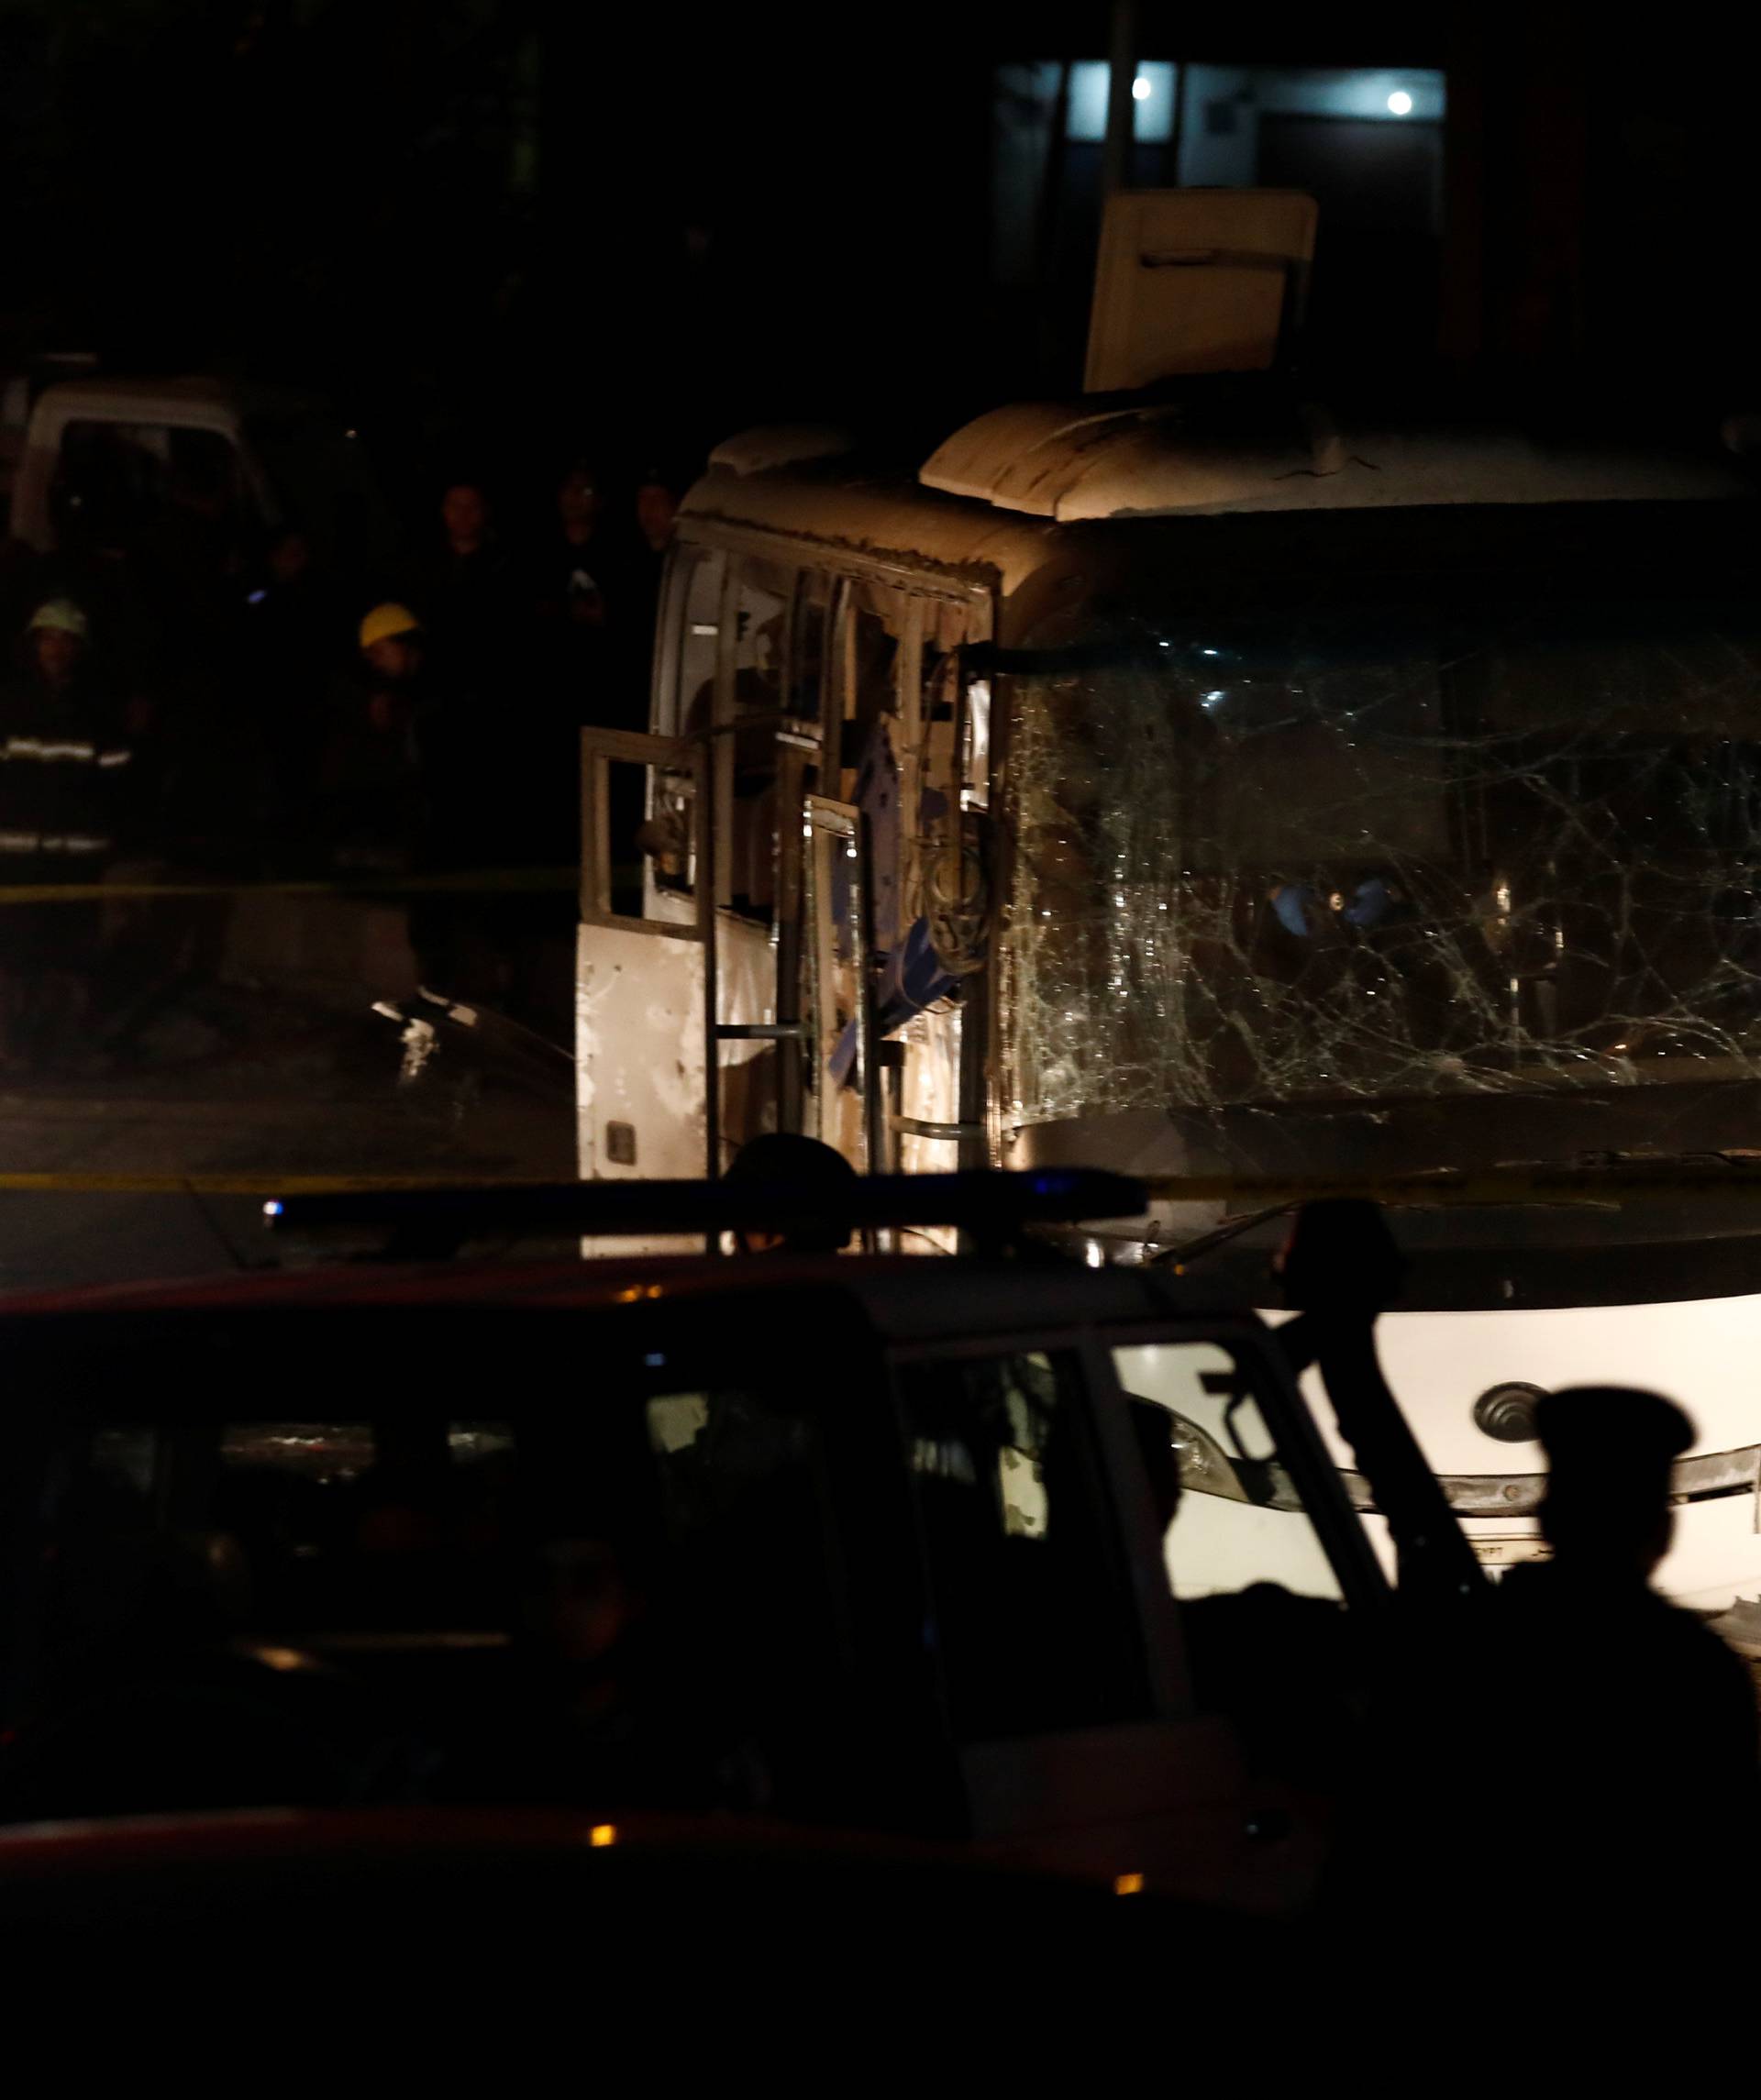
{"x":372,"y":771}
{"x":391,"y":641}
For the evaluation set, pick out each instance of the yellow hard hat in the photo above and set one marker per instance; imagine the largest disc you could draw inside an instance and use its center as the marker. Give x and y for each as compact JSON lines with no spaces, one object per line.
{"x":59,"y":616}
{"x":384,"y":621}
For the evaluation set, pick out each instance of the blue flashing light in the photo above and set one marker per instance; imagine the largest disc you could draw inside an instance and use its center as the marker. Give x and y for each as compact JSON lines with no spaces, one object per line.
{"x":272,"y":1209}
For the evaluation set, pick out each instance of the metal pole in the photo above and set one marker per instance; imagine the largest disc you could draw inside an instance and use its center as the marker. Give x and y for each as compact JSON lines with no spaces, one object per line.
{"x":1122,"y":74}
{"x":1176,"y":130}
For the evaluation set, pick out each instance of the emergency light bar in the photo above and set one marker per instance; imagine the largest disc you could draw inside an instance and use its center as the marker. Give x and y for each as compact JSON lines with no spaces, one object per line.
{"x":985,"y":1203}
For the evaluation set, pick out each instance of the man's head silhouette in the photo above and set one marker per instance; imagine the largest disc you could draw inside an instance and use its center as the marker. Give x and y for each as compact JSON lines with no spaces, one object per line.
{"x":820,"y":1177}
{"x":1609,"y":1450}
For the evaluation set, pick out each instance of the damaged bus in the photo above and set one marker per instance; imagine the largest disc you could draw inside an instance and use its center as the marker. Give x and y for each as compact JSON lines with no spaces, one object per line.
{"x":1180,"y":781}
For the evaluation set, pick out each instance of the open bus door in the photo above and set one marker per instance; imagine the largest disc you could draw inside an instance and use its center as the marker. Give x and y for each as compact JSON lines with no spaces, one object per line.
{"x":643,"y":957}
{"x":762,"y":939}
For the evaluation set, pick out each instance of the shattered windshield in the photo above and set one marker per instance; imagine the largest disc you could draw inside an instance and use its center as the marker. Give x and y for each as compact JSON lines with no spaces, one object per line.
{"x":1379,"y":838}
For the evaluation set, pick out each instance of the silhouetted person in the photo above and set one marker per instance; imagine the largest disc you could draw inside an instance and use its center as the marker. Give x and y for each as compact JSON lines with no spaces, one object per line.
{"x":657,"y":511}
{"x":66,"y":750}
{"x":1573,"y":1784}
{"x":1631,"y":1797}
{"x":825,"y":1177}
{"x":586,"y":575}
{"x":296,"y":631}
{"x":374,"y":779}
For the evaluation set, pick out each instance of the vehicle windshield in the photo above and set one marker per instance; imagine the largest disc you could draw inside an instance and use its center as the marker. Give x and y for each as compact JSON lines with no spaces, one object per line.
{"x":1374,"y":840}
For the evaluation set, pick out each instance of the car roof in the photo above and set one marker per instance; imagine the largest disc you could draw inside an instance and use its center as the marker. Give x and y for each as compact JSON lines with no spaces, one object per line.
{"x":127,"y":396}
{"x":903,"y":1298}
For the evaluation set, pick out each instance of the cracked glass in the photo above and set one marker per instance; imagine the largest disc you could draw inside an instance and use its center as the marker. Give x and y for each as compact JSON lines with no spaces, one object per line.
{"x":1377,"y":838}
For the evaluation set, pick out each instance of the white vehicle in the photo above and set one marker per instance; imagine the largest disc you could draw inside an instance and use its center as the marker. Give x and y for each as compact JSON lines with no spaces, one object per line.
{"x":106,"y":452}
{"x":1180,"y":782}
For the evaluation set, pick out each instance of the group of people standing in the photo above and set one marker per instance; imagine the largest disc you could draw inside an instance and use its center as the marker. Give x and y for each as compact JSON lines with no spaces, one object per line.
{"x":260,"y":711}
{"x":450,"y":740}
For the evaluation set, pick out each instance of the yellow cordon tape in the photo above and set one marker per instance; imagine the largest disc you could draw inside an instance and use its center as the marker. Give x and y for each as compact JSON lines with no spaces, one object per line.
{"x":260,"y":1184}
{"x":493,"y":881}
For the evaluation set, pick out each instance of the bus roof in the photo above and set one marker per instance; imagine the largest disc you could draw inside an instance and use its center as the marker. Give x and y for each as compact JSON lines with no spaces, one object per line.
{"x":1104,"y":458}
{"x":986,"y":505}
{"x":893,"y":522}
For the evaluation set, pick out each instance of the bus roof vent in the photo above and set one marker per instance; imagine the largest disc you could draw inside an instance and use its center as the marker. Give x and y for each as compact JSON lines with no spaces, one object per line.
{"x":780,"y":444}
{"x":1196,"y":280}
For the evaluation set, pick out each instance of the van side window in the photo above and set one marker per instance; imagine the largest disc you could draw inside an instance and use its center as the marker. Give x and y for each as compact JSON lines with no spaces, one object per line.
{"x":116,"y":481}
{"x":1238,"y":1519}
{"x":1033,"y":1626}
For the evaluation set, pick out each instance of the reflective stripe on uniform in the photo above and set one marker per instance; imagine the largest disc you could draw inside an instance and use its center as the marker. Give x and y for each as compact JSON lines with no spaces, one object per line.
{"x":42,"y":748}
{"x":54,"y":842}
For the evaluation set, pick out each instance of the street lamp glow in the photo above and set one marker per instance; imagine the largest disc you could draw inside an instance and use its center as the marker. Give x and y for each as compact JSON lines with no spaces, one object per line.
{"x":1141,"y":90}
{"x":1400,"y":104}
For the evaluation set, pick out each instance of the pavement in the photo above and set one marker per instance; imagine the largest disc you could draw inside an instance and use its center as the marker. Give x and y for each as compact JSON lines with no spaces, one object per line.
{"x":261,"y":1080}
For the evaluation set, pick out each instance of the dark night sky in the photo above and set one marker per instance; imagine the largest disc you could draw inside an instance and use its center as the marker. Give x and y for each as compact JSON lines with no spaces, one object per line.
{"x":450,"y":201}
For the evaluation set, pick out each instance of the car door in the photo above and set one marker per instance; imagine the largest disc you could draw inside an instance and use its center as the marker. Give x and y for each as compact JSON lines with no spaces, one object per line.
{"x":1269,"y":1570}
{"x":1058,"y":1648}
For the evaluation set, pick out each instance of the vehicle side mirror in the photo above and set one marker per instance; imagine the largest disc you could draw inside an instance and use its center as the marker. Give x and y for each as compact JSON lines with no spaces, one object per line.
{"x":1340,"y":1257}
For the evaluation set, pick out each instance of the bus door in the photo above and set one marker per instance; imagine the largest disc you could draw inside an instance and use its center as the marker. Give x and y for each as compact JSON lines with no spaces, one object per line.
{"x":934,"y":997}
{"x":899,"y":743}
{"x":643,"y":957}
{"x":842,"y":1104}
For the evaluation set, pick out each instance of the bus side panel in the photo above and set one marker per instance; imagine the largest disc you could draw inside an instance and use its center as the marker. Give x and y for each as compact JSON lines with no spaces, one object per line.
{"x":638,"y":1056}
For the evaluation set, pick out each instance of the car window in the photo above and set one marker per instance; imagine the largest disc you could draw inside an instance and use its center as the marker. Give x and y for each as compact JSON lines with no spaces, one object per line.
{"x":116,"y":481}
{"x":670,"y":1559}
{"x":1238,"y":1519}
{"x":1034,"y":1623}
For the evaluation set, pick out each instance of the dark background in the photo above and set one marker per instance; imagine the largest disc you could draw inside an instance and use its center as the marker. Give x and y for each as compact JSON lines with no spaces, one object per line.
{"x":514,"y":229}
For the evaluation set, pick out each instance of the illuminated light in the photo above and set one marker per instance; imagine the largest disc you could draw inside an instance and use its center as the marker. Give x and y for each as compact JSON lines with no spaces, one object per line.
{"x":654,"y":1362}
{"x":1096,"y":1254}
{"x":1141,"y":90}
{"x":1400,"y":104}
{"x":601,"y":1835}
{"x":351,"y":434}
{"x":272,"y":1209}
{"x":1127,"y":1885}
{"x":282,"y":1659}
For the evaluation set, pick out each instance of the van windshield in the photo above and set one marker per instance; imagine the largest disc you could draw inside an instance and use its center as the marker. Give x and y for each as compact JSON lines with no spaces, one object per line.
{"x":1376,"y":841}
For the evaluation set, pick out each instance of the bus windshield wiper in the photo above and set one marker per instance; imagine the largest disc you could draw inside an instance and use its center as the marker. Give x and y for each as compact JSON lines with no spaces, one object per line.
{"x":1208,"y":1242}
